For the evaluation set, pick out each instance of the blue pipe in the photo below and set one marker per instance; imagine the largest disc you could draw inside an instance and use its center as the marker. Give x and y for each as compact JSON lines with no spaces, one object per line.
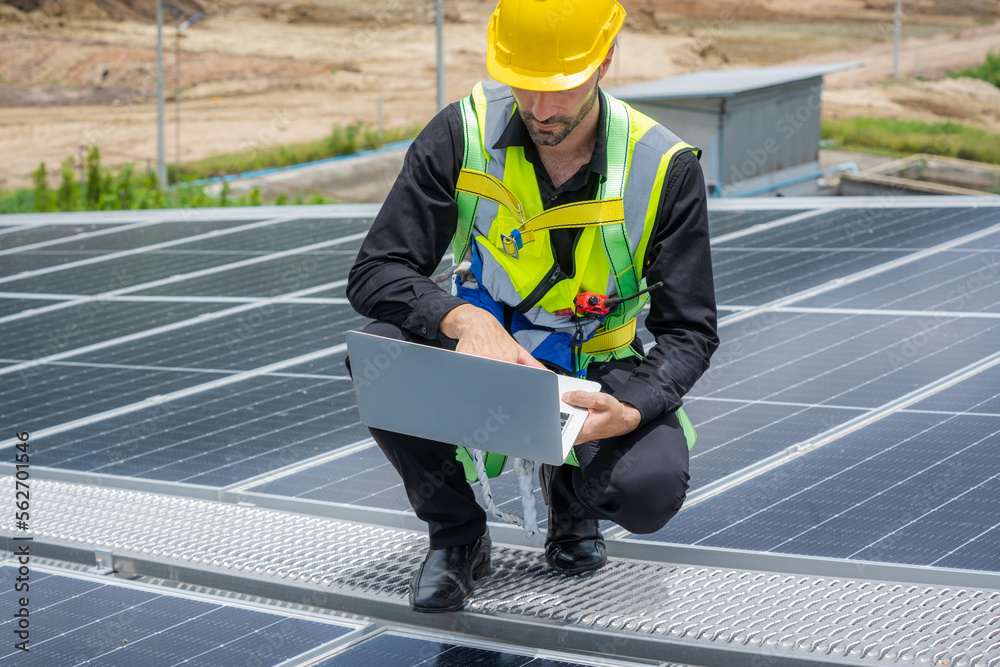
{"x":228,"y":178}
{"x":844,"y":166}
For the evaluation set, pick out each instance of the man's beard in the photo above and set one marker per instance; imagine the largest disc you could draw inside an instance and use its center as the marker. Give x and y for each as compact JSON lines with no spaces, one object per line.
{"x":562,"y":125}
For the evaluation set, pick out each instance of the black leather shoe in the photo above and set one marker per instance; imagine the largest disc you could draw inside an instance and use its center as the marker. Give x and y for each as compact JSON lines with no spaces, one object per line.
{"x":447,"y":578}
{"x":573,"y":545}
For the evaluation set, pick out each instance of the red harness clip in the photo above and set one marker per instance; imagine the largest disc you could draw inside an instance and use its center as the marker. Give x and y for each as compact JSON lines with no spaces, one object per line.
{"x":591,"y":304}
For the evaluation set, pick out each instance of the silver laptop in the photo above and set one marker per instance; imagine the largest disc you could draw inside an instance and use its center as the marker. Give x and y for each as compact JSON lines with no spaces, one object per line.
{"x":465,"y":400}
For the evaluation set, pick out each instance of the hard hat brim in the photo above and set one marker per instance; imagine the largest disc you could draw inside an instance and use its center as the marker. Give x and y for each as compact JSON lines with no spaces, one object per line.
{"x":535,"y":80}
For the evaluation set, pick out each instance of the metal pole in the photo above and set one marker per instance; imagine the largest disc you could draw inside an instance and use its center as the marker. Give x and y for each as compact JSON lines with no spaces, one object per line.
{"x":177,"y":93}
{"x":381,"y":130}
{"x":440,"y":54}
{"x":177,"y":107}
{"x":899,"y":35}
{"x":161,"y":153}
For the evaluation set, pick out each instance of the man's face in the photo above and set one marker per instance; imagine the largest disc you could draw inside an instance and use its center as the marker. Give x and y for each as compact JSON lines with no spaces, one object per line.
{"x":551,"y":116}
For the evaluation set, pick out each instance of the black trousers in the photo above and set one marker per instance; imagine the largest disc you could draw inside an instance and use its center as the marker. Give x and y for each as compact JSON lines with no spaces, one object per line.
{"x":637,"y":480}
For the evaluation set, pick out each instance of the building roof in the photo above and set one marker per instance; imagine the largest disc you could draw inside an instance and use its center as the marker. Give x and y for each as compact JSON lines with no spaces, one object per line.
{"x":723,"y":82}
{"x":178,"y":379}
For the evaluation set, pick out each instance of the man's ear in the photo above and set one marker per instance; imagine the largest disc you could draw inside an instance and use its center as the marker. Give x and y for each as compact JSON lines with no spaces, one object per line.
{"x":603,"y":69}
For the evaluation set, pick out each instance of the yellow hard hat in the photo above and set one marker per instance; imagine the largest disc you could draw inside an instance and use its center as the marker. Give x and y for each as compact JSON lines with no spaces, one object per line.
{"x":550,"y":44}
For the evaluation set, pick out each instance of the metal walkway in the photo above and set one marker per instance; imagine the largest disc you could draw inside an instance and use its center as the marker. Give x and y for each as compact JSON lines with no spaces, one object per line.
{"x":633,"y":608}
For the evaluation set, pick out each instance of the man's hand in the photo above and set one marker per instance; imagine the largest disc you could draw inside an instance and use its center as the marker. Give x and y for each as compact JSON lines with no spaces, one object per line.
{"x":608,"y":416}
{"x":479,"y":333}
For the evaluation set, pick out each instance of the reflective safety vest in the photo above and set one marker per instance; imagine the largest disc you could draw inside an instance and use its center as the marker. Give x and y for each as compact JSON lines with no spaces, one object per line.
{"x":504,"y":231}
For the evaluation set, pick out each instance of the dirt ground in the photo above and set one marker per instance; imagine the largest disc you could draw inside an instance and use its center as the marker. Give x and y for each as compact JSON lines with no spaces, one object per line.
{"x":82,"y":72}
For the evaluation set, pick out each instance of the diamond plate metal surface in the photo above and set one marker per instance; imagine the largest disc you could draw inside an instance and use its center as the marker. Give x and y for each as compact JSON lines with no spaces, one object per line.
{"x":850,"y":620}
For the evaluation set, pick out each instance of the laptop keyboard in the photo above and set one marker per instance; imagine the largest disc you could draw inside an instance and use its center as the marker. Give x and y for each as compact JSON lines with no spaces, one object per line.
{"x":563,"y":418}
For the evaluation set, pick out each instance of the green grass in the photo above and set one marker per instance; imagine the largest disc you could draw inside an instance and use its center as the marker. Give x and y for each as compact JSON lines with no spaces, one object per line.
{"x":127,"y":189}
{"x":341,"y":141}
{"x":989,"y":71}
{"x":104,"y":190}
{"x":901,"y":138}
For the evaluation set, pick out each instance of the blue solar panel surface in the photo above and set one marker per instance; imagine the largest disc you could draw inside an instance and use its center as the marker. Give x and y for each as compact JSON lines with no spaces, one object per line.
{"x":77,"y":621}
{"x":402,"y":651}
{"x":201,"y":376}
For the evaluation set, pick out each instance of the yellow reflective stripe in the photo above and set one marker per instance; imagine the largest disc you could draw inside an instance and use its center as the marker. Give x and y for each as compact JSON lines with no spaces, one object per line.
{"x":489,"y":187}
{"x":610,"y":340}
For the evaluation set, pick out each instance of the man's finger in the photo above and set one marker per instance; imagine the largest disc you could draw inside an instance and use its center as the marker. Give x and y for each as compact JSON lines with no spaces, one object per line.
{"x":583,"y":399}
{"x":526,"y":359}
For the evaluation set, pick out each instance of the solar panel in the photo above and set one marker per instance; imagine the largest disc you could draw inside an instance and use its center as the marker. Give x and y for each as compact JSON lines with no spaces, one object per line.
{"x":269,"y":279}
{"x":726,"y":222}
{"x":876,"y":227}
{"x":217,"y":437}
{"x":735,"y":434}
{"x":989,"y":242}
{"x":91,"y":322}
{"x":979,"y":393}
{"x":261,"y":334}
{"x":286,"y":235}
{"x":407,"y":651}
{"x":30,"y":260}
{"x":755,"y":277}
{"x":909,"y":479}
{"x":14,"y":305}
{"x":125,"y":237}
{"x":78,"y":621}
{"x":22,"y":237}
{"x":871,"y":309}
{"x":122,"y":272}
{"x":953,"y":281}
{"x":60,"y":394}
{"x":842,"y":359}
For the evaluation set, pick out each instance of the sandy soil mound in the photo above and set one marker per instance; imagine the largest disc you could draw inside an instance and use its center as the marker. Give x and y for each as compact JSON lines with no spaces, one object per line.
{"x":264,"y":72}
{"x":963,"y":100}
{"x":116,"y":10}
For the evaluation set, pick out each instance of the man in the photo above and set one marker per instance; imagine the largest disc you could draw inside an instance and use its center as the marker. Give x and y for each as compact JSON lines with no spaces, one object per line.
{"x":548,"y":188}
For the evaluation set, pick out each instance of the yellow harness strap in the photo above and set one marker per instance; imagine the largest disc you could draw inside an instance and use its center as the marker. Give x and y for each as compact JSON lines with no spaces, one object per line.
{"x":610,"y":340}
{"x":582,"y":214}
{"x":483,"y":185}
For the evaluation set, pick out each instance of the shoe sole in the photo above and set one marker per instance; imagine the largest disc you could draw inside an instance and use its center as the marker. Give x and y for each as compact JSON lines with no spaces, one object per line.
{"x":578,"y":570}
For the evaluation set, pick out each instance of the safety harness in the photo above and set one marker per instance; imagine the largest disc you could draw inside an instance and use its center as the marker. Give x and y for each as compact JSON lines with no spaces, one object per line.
{"x":613,"y":339}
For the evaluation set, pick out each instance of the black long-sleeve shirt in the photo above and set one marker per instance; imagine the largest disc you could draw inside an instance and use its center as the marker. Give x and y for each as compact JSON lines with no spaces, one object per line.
{"x":413,"y":230}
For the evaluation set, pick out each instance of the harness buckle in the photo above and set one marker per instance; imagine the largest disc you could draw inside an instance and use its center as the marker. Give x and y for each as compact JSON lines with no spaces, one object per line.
{"x":512,"y":243}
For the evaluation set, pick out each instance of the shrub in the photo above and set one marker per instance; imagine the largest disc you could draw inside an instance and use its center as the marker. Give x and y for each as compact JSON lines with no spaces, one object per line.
{"x":989,"y":71}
